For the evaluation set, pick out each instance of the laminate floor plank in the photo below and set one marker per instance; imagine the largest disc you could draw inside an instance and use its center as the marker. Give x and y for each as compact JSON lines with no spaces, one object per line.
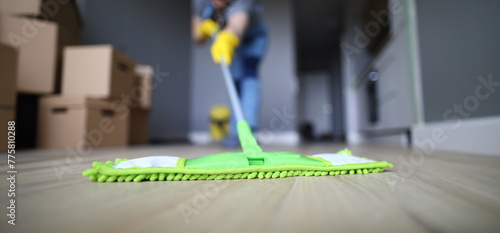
{"x":439,"y":192}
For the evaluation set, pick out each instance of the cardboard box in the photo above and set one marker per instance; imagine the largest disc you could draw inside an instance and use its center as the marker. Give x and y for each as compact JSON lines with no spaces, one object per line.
{"x":8,"y":72}
{"x":81,"y":123}
{"x":24,"y":7}
{"x":65,"y":38}
{"x":65,"y":13}
{"x":139,"y":126}
{"x":97,"y":71}
{"x":143,"y":86}
{"x":36,"y":42}
{"x":6,"y":114}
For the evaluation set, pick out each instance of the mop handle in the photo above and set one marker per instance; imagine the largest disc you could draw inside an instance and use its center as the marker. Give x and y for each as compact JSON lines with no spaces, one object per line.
{"x":247,"y":140}
{"x":245,"y":135}
{"x":228,"y":79}
{"x":233,"y":96}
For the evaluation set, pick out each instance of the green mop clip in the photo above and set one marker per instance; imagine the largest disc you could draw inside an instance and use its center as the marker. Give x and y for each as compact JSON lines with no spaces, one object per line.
{"x":250,"y":164}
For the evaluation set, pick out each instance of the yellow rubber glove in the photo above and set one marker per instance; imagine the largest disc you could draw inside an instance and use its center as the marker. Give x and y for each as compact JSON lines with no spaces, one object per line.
{"x":207,"y":28}
{"x":224,"y":46}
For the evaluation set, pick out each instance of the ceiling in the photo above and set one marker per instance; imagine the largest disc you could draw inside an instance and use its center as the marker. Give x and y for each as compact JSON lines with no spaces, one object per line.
{"x":318,"y":24}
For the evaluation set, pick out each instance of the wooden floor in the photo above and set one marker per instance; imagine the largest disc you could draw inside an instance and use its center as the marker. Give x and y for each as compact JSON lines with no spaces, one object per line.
{"x":440,"y":192}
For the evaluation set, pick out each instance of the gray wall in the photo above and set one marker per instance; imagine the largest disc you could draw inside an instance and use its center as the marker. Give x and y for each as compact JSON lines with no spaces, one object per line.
{"x":459,"y":41}
{"x":154,"y":32}
{"x":315,"y":104}
{"x":277,"y":74}
{"x":337,"y":98}
{"x":396,"y":92}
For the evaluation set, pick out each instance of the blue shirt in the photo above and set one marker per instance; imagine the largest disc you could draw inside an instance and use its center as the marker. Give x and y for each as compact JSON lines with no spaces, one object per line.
{"x":205,"y":10}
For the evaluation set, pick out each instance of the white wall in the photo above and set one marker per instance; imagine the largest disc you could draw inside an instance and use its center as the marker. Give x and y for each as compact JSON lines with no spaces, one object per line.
{"x":278,"y":111}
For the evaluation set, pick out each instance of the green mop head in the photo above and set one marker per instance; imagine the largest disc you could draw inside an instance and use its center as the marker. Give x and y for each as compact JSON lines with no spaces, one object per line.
{"x":250,"y":164}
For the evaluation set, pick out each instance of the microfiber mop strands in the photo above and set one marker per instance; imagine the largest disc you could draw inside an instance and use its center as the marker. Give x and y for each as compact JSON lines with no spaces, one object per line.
{"x":236,"y":165}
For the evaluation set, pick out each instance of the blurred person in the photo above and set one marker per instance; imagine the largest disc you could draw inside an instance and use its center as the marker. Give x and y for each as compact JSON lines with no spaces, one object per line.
{"x":241,"y":40}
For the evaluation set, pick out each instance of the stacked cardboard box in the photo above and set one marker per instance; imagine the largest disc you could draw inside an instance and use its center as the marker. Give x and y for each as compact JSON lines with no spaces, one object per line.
{"x":38,"y":30}
{"x":37,"y":52}
{"x":66,"y":15}
{"x":81,"y":123}
{"x":21,"y":7}
{"x":97,"y":71}
{"x":98,"y":85}
{"x":8,"y":72}
{"x":141,"y":96}
{"x":91,"y":110}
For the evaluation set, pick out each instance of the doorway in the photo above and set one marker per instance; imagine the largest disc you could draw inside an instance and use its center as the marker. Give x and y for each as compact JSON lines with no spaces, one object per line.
{"x":318,"y":26}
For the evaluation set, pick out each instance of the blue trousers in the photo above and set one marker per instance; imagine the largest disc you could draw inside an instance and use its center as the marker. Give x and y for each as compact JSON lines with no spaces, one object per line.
{"x":244,"y":69}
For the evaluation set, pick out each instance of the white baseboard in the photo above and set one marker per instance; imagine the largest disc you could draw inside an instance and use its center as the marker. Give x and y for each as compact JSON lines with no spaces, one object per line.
{"x":474,"y":136}
{"x":357,"y":138}
{"x":354,"y":137}
{"x":199,"y":138}
{"x":399,"y":140}
{"x":288,"y":138}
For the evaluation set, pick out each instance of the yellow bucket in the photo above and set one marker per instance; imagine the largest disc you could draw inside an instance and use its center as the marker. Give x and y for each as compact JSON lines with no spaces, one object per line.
{"x":219,"y":122}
